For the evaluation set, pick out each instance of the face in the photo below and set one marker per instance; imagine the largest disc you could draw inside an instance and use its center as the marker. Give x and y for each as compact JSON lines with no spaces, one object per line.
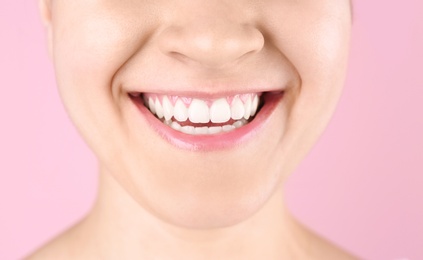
{"x":200,"y":109}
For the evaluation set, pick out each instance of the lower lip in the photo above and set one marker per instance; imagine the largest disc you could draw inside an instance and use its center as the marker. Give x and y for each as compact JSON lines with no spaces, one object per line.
{"x":220,"y":141}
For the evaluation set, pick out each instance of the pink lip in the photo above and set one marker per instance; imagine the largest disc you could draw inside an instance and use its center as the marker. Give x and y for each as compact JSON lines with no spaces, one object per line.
{"x":212,"y":142}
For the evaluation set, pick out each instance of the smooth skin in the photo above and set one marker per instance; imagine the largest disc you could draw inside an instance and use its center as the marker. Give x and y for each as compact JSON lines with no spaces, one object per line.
{"x":160,"y":201}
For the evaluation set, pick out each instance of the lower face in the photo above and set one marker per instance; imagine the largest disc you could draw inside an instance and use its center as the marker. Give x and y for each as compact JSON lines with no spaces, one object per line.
{"x":200,"y":113}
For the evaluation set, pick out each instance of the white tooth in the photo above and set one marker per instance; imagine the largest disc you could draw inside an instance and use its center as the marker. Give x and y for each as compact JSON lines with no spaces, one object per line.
{"x":159,"y":109}
{"x":188,"y":129}
{"x":168,"y":122}
{"x":238,"y":124}
{"x":237,"y":109}
{"x":228,"y":128}
{"x":198,"y":111}
{"x":254,"y":105}
{"x":175,"y":125}
{"x":215,"y":129}
{"x":151,"y":105}
{"x":247,"y":106}
{"x":167,"y":108}
{"x":201,"y":130}
{"x":220,"y":111}
{"x":180,"y":111}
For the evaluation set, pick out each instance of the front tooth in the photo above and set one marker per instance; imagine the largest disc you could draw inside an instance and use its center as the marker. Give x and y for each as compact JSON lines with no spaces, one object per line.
{"x":167,"y":108}
{"x":247,"y":107}
{"x":201,"y":130}
{"x":188,"y":129}
{"x":198,"y":111}
{"x":215,"y":129}
{"x":180,"y":111}
{"x":159,"y":109}
{"x":220,"y":111}
{"x":237,"y":109}
{"x":254,"y":105}
{"x":151,"y":105}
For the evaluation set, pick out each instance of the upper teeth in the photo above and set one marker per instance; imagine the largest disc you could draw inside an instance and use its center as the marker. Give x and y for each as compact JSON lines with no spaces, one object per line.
{"x":203,"y":111}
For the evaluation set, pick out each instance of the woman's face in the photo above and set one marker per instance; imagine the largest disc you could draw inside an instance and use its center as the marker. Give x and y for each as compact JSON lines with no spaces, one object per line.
{"x":244,"y":87}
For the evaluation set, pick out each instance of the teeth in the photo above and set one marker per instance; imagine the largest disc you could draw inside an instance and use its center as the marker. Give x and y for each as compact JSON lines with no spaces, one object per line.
{"x":201,"y":130}
{"x":204,"y":130}
{"x":237,"y":109}
{"x":159,"y":109}
{"x":175,"y":126}
{"x":188,"y":129}
{"x":215,"y":129}
{"x":220,"y":111}
{"x":180,"y":112}
{"x":254,"y":106}
{"x":238,"y":124}
{"x":228,"y":128}
{"x":198,"y":111}
{"x":167,"y":108}
{"x":247,"y":107}
{"x":151,"y":106}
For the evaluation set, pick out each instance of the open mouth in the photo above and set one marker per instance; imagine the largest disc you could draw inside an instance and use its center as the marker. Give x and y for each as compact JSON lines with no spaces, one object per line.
{"x":197,"y":116}
{"x":207,"y":123}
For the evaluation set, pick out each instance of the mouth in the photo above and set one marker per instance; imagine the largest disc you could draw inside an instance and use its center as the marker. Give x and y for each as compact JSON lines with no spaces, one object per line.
{"x":194,"y":122}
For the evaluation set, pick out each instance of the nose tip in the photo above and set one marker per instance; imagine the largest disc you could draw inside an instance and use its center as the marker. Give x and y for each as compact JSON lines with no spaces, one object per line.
{"x":211,"y":46}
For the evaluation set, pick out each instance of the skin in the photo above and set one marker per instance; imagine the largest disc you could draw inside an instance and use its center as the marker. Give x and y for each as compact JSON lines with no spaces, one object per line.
{"x":156,"y":200}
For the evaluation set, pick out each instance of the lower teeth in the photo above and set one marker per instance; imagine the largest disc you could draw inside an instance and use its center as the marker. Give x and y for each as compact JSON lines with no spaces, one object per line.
{"x":205,"y":130}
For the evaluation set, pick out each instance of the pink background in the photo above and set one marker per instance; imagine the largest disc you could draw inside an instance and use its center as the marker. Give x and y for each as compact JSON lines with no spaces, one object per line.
{"x":361,"y":186}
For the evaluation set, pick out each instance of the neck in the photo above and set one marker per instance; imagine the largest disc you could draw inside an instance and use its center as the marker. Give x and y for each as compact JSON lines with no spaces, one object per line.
{"x":118,"y":225}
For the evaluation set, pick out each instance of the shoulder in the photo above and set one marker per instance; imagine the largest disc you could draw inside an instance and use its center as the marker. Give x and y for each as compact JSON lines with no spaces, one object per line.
{"x":326,"y":250}
{"x":67,"y":245}
{"x":54,"y":249}
{"x":332,"y":252}
{"x":318,"y":247}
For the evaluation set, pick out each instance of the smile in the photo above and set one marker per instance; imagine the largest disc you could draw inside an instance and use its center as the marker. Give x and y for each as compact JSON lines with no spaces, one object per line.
{"x":203,"y":116}
{"x":208,"y":123}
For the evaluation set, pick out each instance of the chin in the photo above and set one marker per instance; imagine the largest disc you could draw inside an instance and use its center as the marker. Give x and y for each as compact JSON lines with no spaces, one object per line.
{"x":207,"y":213}
{"x":217,"y":200}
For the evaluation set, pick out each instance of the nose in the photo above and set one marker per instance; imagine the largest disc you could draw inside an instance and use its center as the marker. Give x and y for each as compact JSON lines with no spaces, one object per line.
{"x":210,"y":41}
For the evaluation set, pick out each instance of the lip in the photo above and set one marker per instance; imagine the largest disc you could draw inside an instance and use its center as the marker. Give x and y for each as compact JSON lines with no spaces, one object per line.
{"x":221,"y":141}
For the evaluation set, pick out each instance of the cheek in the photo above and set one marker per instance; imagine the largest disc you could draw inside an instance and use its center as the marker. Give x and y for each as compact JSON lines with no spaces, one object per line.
{"x":84,"y":68}
{"x":88,"y":52}
{"x":314,"y":37}
{"x":317,"y":46}
{"x":93,"y":40}
{"x":318,"y":49}
{"x":322,"y":66}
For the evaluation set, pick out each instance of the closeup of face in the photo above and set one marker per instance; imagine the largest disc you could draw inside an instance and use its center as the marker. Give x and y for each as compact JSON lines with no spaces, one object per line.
{"x":199,"y":109}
